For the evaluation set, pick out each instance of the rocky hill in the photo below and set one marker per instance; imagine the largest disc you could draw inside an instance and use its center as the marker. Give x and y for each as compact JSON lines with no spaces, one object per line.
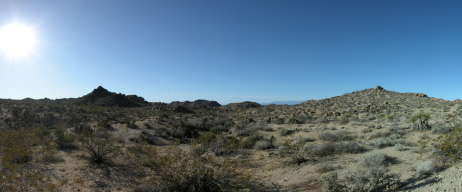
{"x":102,"y":97}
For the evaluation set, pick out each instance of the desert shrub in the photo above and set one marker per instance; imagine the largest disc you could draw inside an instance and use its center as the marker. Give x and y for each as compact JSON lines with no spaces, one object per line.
{"x":185,"y":131}
{"x":263,"y":144}
{"x":349,"y":147}
{"x":216,"y":143}
{"x":303,"y":140}
{"x":19,"y":149}
{"x":450,"y":144}
{"x":299,"y":157}
{"x":326,"y":167}
{"x":249,"y":142}
{"x":372,"y":179}
{"x":25,"y":180}
{"x":296,"y":152}
{"x":381,"y":134}
{"x":335,"y":136}
{"x":132,"y":125}
{"x":420,"y":121}
{"x":326,"y":149}
{"x":331,"y":183}
{"x":295,"y":120}
{"x":377,"y":159}
{"x":278,"y":121}
{"x":441,"y":129}
{"x":259,"y":126}
{"x":182,"y":171}
{"x":99,"y":144}
{"x":425,"y":168}
{"x":345,"y":118}
{"x":367,"y":130}
{"x":383,"y":142}
{"x":17,"y":145}
{"x":285,"y":132}
{"x":401,"y":147}
{"x":65,"y":140}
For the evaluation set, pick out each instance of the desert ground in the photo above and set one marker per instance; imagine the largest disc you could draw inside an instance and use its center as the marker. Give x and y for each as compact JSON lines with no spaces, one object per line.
{"x":367,"y":141}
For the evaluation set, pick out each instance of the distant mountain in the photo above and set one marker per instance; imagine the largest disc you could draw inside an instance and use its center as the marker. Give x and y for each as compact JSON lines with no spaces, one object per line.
{"x":243,"y":105}
{"x":102,"y":97}
{"x":282,"y":103}
{"x":190,"y":106}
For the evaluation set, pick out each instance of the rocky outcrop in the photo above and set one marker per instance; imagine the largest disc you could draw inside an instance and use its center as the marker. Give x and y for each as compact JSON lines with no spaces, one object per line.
{"x":102,"y":97}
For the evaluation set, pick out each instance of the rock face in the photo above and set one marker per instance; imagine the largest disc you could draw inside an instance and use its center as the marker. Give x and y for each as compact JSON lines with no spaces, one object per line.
{"x":102,"y":97}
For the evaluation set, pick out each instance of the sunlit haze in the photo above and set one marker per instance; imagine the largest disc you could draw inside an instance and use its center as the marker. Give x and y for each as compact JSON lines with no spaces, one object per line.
{"x":17,"y":40}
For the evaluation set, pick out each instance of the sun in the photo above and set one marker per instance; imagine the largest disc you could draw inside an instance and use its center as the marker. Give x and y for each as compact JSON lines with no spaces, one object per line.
{"x":18,"y":40}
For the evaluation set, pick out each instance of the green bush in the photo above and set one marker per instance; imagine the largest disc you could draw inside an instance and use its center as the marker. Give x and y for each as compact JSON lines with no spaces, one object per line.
{"x":420,"y":121}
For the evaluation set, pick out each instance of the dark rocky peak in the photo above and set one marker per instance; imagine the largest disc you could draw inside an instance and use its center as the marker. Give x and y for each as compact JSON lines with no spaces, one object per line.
{"x":100,"y":92}
{"x":102,"y":97}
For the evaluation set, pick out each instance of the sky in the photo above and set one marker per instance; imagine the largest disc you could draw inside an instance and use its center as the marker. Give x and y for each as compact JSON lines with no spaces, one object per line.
{"x":235,"y":50}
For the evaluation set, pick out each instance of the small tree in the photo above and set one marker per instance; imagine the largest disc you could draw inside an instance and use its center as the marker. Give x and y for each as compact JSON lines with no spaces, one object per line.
{"x":420,"y":121}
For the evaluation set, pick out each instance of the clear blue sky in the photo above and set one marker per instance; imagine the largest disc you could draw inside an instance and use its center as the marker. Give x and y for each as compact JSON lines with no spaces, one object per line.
{"x":234,"y":50}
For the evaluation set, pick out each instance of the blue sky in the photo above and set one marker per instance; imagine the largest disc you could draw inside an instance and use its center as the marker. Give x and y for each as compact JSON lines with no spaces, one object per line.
{"x":235,"y":50}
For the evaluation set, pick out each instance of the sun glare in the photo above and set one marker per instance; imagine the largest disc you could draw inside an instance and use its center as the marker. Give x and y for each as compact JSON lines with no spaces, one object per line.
{"x":17,"y":40}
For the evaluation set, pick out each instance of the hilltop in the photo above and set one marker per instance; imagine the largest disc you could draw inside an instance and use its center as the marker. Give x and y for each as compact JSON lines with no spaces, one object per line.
{"x":102,"y":97}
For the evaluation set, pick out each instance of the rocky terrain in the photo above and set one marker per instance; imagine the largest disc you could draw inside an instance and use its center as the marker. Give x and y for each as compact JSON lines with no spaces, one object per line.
{"x":368,"y":141}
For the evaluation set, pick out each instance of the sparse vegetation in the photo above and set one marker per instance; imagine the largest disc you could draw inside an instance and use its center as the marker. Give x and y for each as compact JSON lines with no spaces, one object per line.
{"x":327,"y":149}
{"x":425,"y":168}
{"x":450,"y":144}
{"x":285,"y":132}
{"x":371,"y":176}
{"x":18,"y":171}
{"x":202,"y":146}
{"x":335,"y":136}
{"x":182,"y":171}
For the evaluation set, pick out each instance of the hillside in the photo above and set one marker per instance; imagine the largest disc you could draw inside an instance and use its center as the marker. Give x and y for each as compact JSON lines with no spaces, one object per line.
{"x":263,"y":147}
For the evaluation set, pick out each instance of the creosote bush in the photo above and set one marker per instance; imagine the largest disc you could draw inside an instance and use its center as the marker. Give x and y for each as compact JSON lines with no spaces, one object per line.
{"x":180,"y":171}
{"x":450,"y":144}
